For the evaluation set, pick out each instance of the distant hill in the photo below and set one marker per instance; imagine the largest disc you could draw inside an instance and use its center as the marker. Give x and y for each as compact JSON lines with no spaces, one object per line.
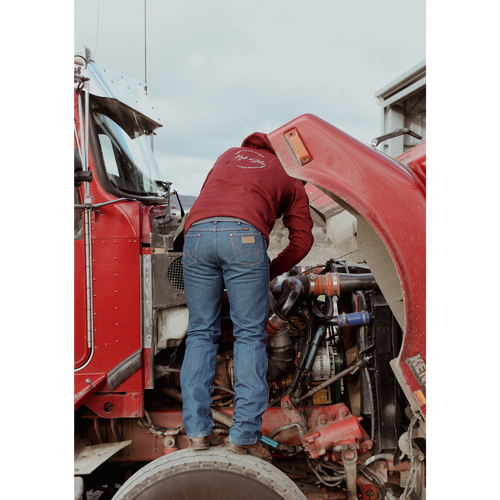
{"x":187,"y":201}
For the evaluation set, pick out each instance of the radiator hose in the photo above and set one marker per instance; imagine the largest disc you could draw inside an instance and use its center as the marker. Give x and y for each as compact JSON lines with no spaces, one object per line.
{"x":280,"y":355}
{"x":296,"y":288}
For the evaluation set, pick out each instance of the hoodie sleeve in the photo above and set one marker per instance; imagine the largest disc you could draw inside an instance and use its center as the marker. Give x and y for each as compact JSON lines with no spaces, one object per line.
{"x":297,"y":219}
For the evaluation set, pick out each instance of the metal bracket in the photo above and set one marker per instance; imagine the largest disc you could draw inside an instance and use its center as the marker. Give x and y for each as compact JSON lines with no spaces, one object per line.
{"x":396,"y":133}
{"x":99,"y":205}
{"x":349,"y":459}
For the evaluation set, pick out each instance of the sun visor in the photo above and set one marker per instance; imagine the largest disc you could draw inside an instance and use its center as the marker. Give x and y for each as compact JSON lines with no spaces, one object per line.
{"x":130,"y":120}
{"x":122,"y":99}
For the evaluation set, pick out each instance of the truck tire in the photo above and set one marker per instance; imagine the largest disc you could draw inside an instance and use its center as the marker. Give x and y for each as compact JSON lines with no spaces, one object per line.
{"x":215,"y":473}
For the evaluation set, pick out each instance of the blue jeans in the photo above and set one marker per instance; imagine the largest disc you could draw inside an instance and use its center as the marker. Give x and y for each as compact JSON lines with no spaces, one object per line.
{"x":220,"y":255}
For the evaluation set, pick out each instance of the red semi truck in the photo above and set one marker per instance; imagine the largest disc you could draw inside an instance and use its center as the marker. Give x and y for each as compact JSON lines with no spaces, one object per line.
{"x":346,"y":368}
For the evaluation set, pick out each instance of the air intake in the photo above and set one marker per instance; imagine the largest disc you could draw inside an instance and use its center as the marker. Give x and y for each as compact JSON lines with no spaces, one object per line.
{"x":168,"y":279}
{"x":175,"y":274}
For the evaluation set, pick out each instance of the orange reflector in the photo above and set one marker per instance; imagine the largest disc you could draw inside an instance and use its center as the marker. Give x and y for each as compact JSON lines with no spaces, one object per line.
{"x":297,"y":146}
{"x":420,"y":397}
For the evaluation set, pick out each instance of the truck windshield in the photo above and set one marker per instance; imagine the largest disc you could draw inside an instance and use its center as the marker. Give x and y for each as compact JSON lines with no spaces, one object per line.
{"x":130,"y":164}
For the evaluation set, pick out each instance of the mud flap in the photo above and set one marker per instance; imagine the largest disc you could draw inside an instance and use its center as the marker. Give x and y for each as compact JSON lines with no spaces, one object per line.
{"x":92,"y":456}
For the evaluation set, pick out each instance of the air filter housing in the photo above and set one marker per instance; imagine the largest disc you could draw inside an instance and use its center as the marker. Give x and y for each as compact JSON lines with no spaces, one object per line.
{"x":168,"y":279}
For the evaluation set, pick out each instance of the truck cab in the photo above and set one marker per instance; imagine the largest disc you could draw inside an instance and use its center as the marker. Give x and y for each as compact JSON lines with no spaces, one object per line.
{"x":123,"y":217}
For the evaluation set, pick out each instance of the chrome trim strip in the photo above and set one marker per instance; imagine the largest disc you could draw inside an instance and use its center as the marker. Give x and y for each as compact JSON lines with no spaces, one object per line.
{"x":147,"y":302}
{"x":123,"y":370}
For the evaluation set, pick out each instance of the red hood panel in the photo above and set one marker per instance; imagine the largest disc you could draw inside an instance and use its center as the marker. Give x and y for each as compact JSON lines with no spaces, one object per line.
{"x":388,"y":200}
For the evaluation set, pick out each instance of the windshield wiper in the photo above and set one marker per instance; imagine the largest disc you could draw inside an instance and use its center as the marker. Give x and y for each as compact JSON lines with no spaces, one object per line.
{"x":167,"y":185}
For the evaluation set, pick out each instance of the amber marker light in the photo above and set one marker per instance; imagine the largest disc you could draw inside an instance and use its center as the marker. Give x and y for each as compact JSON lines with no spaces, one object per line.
{"x":297,"y":146}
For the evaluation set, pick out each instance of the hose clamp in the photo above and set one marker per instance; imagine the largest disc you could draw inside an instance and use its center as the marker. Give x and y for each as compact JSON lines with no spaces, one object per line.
{"x":312,"y":284}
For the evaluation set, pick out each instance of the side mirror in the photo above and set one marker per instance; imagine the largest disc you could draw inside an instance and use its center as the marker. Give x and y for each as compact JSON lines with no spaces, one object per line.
{"x":76,"y":159}
{"x":80,"y":175}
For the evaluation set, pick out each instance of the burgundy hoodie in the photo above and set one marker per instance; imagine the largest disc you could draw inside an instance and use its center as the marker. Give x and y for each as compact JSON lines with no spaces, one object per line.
{"x":250,"y":183}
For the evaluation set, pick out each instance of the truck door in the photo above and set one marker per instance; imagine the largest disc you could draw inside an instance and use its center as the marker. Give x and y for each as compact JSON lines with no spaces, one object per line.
{"x":82,"y":350}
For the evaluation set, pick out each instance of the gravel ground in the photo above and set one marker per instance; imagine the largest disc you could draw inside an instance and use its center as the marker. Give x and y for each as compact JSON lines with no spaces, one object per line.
{"x":96,"y":494}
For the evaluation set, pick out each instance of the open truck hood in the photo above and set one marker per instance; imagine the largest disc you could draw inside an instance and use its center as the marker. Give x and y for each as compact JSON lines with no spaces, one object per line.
{"x":388,"y":200}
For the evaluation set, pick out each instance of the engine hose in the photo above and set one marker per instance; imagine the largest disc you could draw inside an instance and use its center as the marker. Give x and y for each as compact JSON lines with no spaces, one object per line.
{"x":311,"y":355}
{"x":278,"y":363}
{"x":303,"y":356}
{"x":339,"y":283}
{"x":294,"y":289}
{"x":350,"y":319}
{"x":316,"y":343}
{"x":307,"y":360}
{"x":342,"y":320}
{"x":284,"y":428}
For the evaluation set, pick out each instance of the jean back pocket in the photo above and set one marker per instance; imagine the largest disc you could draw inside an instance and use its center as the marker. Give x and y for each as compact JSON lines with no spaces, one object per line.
{"x":191,"y":247}
{"x":248,"y":248}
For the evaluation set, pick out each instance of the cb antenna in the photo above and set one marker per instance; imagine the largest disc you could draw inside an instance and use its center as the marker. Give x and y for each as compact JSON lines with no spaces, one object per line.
{"x":145,"y":64}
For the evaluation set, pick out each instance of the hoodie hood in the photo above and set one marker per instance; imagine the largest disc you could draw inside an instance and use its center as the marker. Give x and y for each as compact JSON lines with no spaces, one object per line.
{"x":258,"y":140}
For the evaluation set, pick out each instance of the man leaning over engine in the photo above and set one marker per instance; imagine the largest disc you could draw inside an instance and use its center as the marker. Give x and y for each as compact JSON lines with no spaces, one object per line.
{"x":225,"y":246}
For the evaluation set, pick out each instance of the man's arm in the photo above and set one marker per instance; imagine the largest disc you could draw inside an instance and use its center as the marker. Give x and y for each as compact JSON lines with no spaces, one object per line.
{"x":297,"y":219}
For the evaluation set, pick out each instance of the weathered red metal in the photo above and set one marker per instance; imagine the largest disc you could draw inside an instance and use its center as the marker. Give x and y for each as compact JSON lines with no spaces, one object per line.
{"x":389,"y":196}
{"x":116,"y":243}
{"x":416,"y":159}
{"x":339,"y":427}
{"x":336,"y":426}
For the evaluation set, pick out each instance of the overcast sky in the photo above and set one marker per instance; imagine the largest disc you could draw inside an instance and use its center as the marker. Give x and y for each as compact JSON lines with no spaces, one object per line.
{"x":219,"y":70}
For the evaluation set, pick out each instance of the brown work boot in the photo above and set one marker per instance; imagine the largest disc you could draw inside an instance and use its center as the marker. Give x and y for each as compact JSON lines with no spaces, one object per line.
{"x":257,"y":450}
{"x":202,"y":443}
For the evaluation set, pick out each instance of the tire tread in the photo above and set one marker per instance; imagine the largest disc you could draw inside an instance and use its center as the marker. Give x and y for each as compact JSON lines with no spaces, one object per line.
{"x":218,"y":458}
